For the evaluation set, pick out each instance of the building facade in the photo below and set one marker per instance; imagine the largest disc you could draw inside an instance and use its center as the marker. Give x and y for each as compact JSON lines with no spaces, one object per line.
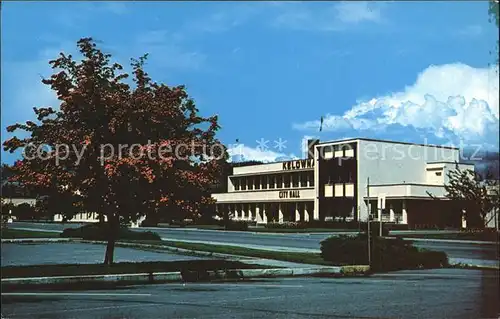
{"x":346,"y":179}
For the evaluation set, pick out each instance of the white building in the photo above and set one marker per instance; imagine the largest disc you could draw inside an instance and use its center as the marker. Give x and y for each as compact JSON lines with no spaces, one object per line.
{"x":332,"y":182}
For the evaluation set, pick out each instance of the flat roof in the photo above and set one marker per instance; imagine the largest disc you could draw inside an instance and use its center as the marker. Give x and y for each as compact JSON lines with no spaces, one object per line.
{"x":384,"y":141}
{"x":449,"y":162}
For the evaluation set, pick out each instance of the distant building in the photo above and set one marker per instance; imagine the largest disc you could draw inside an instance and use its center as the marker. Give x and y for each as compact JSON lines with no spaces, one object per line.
{"x":331,"y":183}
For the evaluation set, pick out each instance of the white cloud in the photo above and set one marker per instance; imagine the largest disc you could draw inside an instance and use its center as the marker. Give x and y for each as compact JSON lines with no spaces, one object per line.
{"x":336,"y":17}
{"x":471,"y":31}
{"x":452,"y":101}
{"x":357,"y":11}
{"x":167,"y":50}
{"x":241,"y":152}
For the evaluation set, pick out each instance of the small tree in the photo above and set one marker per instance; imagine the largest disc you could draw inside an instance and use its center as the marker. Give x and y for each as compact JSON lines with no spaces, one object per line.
{"x":471,"y":193}
{"x":119,"y":150}
{"x":494,"y":16}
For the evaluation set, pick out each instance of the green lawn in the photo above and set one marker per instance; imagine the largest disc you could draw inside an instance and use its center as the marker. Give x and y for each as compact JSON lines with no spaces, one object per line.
{"x":271,"y":230}
{"x":307,"y":258}
{"x":487,"y":236}
{"x":305,"y":230}
{"x":121,"y":268}
{"x":18,"y":233}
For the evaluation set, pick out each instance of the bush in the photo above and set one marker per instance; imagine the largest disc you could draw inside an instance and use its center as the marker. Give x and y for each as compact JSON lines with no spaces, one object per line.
{"x":375,"y":228}
{"x":100,"y":232}
{"x":386,"y":254}
{"x":332,"y":224}
{"x":236,"y":225}
{"x":286,"y":225}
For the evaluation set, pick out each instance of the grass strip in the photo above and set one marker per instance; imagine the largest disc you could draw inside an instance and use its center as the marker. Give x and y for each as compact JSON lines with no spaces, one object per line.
{"x":19,"y":233}
{"x":298,"y":257}
{"x":455,"y":236}
{"x":304,"y":230}
{"x":122,"y":268}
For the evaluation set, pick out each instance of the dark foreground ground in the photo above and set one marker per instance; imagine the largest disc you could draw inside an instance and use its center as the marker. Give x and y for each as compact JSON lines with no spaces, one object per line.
{"x":444,"y":293}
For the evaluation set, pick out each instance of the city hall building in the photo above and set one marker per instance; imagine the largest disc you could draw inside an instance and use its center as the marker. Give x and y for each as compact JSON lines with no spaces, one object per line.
{"x":345,"y":179}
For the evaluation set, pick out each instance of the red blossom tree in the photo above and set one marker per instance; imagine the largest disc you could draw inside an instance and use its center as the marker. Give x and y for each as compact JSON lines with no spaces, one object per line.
{"x":119,"y":150}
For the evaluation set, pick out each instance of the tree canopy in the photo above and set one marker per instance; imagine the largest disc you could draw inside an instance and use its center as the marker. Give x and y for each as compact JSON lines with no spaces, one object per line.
{"x":476,"y":195}
{"x":121,"y":150}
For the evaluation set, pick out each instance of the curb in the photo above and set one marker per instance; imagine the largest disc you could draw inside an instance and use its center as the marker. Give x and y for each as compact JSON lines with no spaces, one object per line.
{"x":35,"y":240}
{"x":453,"y":241}
{"x":188,"y":276}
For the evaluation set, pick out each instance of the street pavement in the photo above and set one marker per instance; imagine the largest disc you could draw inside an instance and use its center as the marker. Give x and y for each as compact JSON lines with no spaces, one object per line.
{"x":77,"y":253}
{"x":442,"y":293}
{"x":479,"y":254}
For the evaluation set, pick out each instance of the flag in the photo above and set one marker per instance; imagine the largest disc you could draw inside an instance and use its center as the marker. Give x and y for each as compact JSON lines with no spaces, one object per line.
{"x":321,"y":124}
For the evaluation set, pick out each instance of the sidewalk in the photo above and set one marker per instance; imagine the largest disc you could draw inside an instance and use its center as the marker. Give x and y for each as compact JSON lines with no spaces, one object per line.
{"x":183,"y":276}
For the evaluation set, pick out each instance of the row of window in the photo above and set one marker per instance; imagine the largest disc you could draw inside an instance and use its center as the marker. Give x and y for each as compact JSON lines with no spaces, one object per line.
{"x":336,"y":151}
{"x":339,"y":190}
{"x":273,"y":181}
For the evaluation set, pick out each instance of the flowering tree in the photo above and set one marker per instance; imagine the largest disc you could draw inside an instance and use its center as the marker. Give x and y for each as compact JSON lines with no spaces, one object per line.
{"x":119,"y":150}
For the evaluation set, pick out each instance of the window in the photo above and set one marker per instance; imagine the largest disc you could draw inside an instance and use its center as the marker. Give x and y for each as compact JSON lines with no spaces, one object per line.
{"x":265,"y":180}
{"x":339,"y":190}
{"x":311,"y":179}
{"x":257,"y":181}
{"x":295,"y":179}
{"x":279,"y":181}
{"x":303,"y":179}
{"x":272,"y":180}
{"x":438,"y":173}
{"x":339,"y":151}
{"x":328,"y":152}
{"x":328,"y":190}
{"x":349,"y":190}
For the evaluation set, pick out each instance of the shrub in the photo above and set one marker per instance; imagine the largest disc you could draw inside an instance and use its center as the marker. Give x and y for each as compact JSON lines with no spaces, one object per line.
{"x":375,"y":228}
{"x":99,"y":232}
{"x":386,"y":254}
{"x":236,"y":225}
{"x":286,"y":225}
{"x":333,"y":224}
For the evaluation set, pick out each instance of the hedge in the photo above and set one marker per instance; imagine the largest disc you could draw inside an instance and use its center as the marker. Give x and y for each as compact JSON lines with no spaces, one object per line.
{"x":386,"y":254}
{"x":99,"y":231}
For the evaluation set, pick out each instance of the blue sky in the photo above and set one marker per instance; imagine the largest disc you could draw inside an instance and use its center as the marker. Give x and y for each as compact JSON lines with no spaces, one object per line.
{"x":411,"y":71}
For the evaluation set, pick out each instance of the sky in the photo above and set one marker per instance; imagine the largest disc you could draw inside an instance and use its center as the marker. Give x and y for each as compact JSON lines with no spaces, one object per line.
{"x":407,"y":71}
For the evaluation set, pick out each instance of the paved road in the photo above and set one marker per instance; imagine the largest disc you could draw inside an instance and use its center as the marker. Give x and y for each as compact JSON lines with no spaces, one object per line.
{"x":306,"y":242}
{"x":77,"y":253}
{"x":443,"y":293}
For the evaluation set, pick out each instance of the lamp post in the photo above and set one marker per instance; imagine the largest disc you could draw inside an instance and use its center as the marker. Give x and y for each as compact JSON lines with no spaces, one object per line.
{"x":368,"y":220}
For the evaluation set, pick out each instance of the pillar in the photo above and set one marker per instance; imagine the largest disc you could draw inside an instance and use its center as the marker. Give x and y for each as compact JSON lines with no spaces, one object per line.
{"x":257,"y":213}
{"x":249,"y":211}
{"x":280,"y":214}
{"x":405,"y":213}
{"x":464,"y":220}
{"x":264,"y":213}
{"x":242,"y":211}
{"x":391,"y":213}
{"x":306,"y":213}
{"x":297,"y":213}
{"x":316,"y":210}
{"x":299,"y":176}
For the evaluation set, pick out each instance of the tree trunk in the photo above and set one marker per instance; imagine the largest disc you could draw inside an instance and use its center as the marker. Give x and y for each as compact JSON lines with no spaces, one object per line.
{"x":110,"y":250}
{"x":112,"y":234}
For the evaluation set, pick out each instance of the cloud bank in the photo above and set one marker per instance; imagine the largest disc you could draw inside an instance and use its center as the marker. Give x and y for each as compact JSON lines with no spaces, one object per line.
{"x":453,"y":102}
